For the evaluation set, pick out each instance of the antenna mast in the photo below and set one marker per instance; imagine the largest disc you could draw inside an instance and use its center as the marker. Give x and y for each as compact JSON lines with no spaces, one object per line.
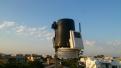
{"x":80,"y":27}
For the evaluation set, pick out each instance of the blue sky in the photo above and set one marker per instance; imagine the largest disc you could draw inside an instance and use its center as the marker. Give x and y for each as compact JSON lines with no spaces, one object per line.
{"x":25,"y":24}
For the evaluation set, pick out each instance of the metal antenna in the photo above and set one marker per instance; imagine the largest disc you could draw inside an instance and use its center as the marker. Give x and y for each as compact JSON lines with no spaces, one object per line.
{"x":80,"y":27}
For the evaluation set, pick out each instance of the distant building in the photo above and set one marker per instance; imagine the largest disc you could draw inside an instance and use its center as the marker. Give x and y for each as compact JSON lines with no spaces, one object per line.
{"x":33,"y":57}
{"x":4,"y":58}
{"x":12,"y":59}
{"x":20,"y":58}
{"x":50,"y":60}
{"x":29,"y":58}
{"x":101,"y":62}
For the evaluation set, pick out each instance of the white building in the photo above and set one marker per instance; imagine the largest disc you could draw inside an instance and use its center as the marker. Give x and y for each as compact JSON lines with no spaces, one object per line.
{"x":100,"y":63}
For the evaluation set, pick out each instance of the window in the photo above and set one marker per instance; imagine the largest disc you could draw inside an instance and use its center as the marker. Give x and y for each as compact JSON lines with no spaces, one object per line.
{"x":77,"y":35}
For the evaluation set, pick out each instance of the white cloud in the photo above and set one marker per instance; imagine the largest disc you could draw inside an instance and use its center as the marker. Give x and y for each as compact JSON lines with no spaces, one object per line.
{"x":102,"y":47}
{"x":20,"y":29}
{"x":7,"y":24}
{"x":89,"y":42}
{"x":114,"y":43}
{"x":39,"y":32}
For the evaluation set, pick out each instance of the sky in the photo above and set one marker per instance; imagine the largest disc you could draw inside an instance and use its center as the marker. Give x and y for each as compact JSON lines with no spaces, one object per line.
{"x":25,"y":25}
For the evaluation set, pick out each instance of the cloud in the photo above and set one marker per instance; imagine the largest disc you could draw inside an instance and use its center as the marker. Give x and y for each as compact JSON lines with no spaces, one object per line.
{"x":114,"y":43}
{"x":7,"y":24}
{"x":89,"y":42}
{"x":38,"y":32}
{"x":41,"y":32}
{"x":102,"y":47}
{"x":20,"y":29}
